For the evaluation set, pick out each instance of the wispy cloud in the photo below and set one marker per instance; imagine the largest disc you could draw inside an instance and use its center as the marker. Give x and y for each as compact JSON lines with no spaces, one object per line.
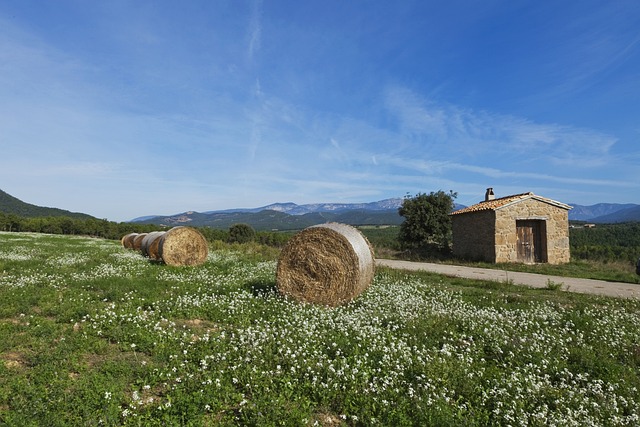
{"x":255,"y":29}
{"x":180,"y":100}
{"x":583,"y":51}
{"x":449,"y":131}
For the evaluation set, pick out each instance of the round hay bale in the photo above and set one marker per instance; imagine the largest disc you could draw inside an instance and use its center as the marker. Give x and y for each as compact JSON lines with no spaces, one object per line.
{"x":328,"y":264}
{"x":183,"y":246}
{"x":127,"y":240}
{"x":149,"y":247}
{"x":137,"y":241}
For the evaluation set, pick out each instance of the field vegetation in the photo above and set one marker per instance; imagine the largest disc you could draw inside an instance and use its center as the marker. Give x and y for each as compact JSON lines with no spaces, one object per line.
{"x":93,"y":334}
{"x":606,"y":252}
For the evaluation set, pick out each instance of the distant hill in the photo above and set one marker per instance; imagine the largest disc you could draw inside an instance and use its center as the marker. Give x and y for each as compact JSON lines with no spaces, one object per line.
{"x":294,"y":209}
{"x":275,"y":220}
{"x":624,"y":215}
{"x":13,"y":205}
{"x":290,"y":216}
{"x":589,"y":213}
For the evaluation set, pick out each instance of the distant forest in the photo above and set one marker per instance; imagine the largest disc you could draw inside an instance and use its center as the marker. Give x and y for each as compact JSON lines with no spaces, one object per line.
{"x":113,"y":230}
{"x":606,"y":242}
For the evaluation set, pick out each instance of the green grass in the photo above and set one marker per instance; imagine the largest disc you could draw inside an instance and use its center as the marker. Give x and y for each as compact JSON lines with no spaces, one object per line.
{"x":92,"y":334}
{"x":608,"y":271}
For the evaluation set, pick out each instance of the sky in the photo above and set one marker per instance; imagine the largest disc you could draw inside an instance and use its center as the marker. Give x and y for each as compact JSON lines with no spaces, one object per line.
{"x":121,"y":109}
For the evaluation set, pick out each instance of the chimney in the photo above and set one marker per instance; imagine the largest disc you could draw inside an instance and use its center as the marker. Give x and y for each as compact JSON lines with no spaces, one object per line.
{"x":489,"y":195}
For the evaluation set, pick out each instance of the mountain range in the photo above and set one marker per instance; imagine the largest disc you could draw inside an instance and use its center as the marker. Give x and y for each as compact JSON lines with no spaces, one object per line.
{"x":291,"y":216}
{"x":605,"y":212}
{"x":294,"y":209}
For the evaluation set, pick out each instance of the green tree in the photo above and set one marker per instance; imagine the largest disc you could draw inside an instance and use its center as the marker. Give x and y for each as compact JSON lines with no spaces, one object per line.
{"x":241,"y":233}
{"x":427,"y":224}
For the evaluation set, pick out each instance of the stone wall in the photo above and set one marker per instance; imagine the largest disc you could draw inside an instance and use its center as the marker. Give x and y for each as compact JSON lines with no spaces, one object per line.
{"x":473,"y":236}
{"x":555,"y":218}
{"x":491,"y":235}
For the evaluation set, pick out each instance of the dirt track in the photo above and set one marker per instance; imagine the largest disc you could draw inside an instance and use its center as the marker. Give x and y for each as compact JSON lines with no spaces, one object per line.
{"x":588,"y":286}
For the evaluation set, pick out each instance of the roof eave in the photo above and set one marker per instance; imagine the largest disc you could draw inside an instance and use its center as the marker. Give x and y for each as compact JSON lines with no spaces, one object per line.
{"x":538,"y":198}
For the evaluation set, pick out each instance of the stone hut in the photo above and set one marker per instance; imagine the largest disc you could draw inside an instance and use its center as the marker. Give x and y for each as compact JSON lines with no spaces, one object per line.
{"x":521,"y":228}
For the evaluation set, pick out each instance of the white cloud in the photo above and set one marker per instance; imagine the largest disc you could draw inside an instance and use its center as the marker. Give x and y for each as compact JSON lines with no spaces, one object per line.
{"x":415,"y":115}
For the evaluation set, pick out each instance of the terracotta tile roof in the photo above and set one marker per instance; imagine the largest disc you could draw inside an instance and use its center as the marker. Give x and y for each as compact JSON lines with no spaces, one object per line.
{"x":506,"y":201}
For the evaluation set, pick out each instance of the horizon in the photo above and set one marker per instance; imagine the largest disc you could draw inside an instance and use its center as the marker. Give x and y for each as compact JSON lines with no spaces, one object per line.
{"x":119,"y":109}
{"x":239,"y":209}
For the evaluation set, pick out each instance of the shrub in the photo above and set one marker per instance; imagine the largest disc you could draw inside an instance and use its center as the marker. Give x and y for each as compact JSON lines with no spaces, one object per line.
{"x":241,"y":233}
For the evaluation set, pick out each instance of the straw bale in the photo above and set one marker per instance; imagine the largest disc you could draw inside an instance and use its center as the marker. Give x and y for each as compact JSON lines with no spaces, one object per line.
{"x":127,"y":240}
{"x":137,"y":241}
{"x":183,"y":246}
{"x":327,"y":264}
{"x":149,"y":247}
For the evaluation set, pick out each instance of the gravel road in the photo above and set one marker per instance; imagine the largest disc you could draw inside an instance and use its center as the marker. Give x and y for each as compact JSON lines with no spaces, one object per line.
{"x":588,"y":286}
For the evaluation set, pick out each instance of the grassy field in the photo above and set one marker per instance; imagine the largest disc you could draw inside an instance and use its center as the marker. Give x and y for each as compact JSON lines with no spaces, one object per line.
{"x":92,"y":334}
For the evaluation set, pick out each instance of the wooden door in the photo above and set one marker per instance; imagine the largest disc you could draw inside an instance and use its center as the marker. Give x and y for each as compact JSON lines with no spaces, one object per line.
{"x":530,"y":247}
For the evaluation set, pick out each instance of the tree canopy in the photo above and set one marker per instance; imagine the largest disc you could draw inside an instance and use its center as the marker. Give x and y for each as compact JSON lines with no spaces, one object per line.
{"x":427,"y":224}
{"x":241,"y":233}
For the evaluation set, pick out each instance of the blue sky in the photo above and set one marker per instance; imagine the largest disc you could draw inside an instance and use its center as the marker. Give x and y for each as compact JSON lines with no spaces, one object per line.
{"x":127,"y":108}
